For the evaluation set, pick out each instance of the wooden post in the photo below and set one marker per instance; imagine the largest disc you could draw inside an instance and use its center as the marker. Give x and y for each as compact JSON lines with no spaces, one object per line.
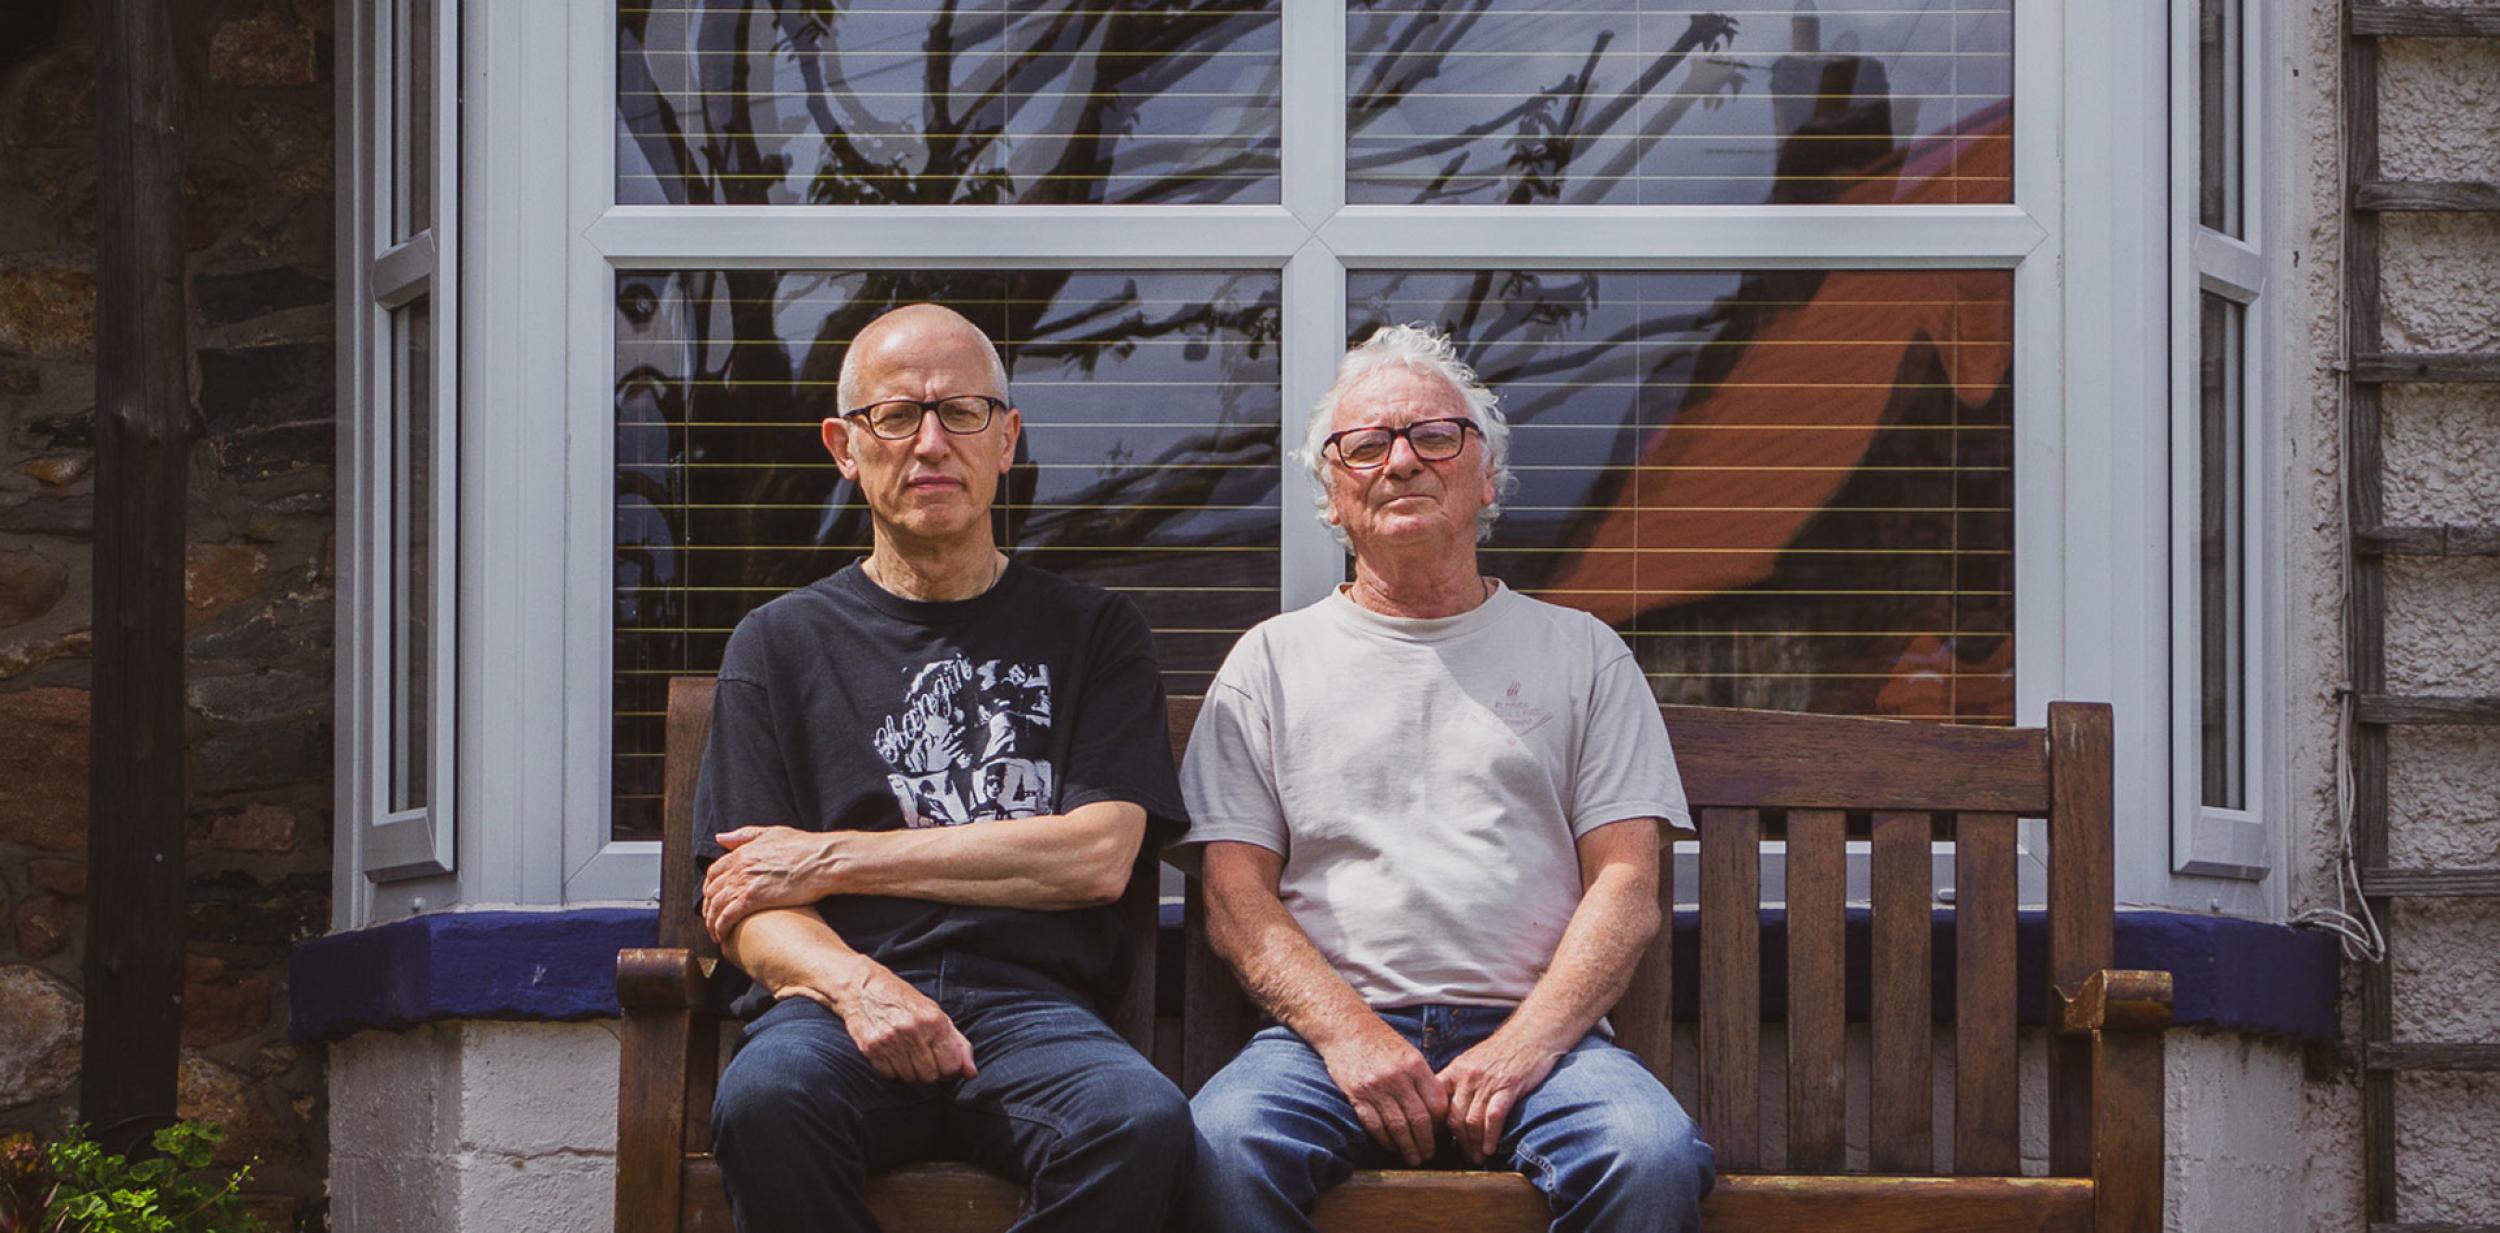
{"x":142,"y":426}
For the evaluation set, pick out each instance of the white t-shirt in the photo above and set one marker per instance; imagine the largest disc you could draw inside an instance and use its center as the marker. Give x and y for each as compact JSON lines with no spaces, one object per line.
{"x":1426,"y":782}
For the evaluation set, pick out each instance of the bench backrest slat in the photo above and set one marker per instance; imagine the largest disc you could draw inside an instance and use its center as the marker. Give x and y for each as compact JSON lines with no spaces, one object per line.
{"x":689,"y":730}
{"x":2082,"y":907}
{"x":1773,"y":760}
{"x":1818,"y":884}
{"x":1901,"y":1035}
{"x":1731,"y":985}
{"x":1986,"y":1136}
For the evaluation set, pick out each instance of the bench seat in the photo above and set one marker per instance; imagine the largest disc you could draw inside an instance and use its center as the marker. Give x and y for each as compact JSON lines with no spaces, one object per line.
{"x":955,"y":1198}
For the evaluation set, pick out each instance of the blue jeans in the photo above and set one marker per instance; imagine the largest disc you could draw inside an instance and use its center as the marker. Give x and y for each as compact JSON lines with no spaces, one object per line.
{"x":1602,"y":1138}
{"x":1098,"y":1137}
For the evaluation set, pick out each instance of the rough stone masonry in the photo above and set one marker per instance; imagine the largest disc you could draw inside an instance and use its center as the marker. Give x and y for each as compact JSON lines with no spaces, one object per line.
{"x":258,"y":576}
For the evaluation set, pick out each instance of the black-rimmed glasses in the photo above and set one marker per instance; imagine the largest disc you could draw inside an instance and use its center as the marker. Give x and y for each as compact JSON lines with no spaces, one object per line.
{"x":1432,"y":440}
{"x":898,"y":419}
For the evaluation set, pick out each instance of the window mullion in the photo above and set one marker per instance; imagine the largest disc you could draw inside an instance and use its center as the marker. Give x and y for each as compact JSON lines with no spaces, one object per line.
{"x":1313,"y":118}
{"x":1311,"y":562}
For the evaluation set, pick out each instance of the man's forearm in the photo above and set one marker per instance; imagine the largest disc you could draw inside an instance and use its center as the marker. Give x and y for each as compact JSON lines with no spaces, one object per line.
{"x":1282,"y":970}
{"x":1617,"y":916}
{"x":1072,"y":860}
{"x":793,"y":950}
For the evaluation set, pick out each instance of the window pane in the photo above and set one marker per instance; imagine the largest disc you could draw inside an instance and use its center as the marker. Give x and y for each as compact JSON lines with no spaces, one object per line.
{"x":780,"y":102}
{"x":1788,"y":489}
{"x":2218,"y":34}
{"x":412,"y":556}
{"x":1148,"y":463}
{"x":1655,"y":102}
{"x":413,"y":134}
{"x":2221,"y":546}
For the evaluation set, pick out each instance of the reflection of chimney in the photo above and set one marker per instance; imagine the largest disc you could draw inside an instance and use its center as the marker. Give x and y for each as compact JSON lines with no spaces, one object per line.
{"x":1805,"y":29}
{"x":1832,"y":111}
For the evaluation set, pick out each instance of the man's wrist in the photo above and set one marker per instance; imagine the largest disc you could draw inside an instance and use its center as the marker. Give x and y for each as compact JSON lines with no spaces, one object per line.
{"x":841,"y":977}
{"x":1331,"y":1031}
{"x":835,"y":856}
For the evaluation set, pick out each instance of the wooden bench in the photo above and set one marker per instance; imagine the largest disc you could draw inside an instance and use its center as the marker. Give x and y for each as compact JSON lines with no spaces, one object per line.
{"x":1814,"y":781}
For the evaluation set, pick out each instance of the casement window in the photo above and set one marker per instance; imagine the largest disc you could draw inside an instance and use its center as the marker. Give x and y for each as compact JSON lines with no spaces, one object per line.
{"x":1822,"y":327}
{"x":2223,"y":332}
{"x":399,"y":429}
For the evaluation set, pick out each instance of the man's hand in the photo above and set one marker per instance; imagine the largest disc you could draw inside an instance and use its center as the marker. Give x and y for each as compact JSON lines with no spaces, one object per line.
{"x":903,"y":1034}
{"x":1393,"y":1089}
{"x":767,"y":867}
{"x":1487,"y":1082}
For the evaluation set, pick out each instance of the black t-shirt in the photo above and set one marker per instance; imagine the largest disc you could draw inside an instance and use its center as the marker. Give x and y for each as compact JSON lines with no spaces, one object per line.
{"x":842,"y":706}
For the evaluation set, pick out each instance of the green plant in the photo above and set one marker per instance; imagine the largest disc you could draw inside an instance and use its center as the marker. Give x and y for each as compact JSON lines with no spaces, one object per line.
{"x":73,"y":1185}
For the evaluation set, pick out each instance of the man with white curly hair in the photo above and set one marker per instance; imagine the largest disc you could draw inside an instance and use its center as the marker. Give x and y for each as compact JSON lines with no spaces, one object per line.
{"x":1426,"y":811}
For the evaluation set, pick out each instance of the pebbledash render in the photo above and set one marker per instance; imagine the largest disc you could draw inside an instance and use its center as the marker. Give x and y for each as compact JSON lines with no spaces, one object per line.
{"x":442,"y":1049}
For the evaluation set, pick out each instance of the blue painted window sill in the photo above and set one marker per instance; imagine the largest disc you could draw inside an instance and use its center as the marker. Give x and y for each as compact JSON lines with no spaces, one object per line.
{"x":2235,"y":975}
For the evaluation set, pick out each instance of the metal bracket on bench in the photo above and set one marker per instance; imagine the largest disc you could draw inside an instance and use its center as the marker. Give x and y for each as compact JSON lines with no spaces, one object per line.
{"x":2116,"y":1001}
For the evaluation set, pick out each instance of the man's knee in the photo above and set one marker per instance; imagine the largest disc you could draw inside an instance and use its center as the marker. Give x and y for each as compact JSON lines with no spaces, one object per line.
{"x":771,"y":1094}
{"x":1648,"y":1148}
{"x":1146,"y":1117}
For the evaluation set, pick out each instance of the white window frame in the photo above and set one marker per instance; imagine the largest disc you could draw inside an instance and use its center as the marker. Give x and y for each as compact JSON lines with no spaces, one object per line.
{"x":2093,"y":469}
{"x":379,"y":275}
{"x":2206,"y":841}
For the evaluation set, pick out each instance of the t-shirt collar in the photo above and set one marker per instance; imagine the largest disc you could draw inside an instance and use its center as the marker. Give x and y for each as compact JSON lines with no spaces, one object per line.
{"x":1419,"y":629}
{"x":854,"y":582}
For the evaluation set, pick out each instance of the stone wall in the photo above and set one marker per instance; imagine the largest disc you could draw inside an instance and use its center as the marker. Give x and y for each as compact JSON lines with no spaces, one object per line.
{"x":259,"y":223}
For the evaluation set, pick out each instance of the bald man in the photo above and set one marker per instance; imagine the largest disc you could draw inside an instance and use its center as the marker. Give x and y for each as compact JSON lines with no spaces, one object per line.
{"x":929,"y":778}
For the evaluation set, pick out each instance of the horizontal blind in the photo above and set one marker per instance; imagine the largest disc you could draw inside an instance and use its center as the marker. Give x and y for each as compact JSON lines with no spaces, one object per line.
{"x":1148,"y":464}
{"x":930,"y":102}
{"x":1789,"y":489}
{"x":1666,"y":102}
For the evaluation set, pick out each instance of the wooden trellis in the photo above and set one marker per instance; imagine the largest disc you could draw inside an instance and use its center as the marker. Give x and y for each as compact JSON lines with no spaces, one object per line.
{"x":2375,"y":710}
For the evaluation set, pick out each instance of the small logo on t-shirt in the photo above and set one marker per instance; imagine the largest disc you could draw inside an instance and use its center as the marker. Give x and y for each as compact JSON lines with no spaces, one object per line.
{"x":1518,"y":712}
{"x":969,"y":743}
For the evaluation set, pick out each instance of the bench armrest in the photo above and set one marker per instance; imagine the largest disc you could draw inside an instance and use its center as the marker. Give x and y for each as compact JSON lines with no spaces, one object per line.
{"x":663,"y":978}
{"x":2116,"y":1001}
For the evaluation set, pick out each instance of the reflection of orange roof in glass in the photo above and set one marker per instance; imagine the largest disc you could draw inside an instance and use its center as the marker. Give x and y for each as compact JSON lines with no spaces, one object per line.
{"x":1830,"y":362}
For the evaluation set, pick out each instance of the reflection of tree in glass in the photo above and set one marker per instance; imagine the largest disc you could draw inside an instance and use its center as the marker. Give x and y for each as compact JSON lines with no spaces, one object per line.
{"x":1860,"y":585}
{"x":1037,"y":104}
{"x":1548,"y":129}
{"x":749,"y":378}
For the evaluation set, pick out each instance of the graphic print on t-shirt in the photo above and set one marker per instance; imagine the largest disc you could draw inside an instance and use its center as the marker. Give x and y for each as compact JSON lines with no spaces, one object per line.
{"x":958,"y":747}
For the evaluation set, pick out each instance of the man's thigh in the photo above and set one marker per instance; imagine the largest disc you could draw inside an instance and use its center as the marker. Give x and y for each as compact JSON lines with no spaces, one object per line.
{"x":1276,"y":1092}
{"x":1599,"y":1101}
{"x":1046,"y":1067}
{"x":797,"y":1067}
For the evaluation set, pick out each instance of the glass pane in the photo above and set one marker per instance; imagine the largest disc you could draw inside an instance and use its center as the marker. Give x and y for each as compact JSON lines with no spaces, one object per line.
{"x":413,"y":134}
{"x":1149,"y":462}
{"x":1788,"y":489}
{"x":1064,"y":102}
{"x":1657,"y":102}
{"x":412,"y":556}
{"x":2218,"y":114}
{"x":2220,"y":560}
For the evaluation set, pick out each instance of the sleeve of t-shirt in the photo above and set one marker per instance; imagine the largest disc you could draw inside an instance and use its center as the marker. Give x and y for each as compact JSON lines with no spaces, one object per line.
{"x":1122,"y":749}
{"x":744,"y":781}
{"x":1627,"y":767}
{"x":1229,"y":773}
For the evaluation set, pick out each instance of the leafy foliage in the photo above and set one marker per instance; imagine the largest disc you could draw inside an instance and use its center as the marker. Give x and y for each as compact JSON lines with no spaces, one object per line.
{"x":73,"y":1185}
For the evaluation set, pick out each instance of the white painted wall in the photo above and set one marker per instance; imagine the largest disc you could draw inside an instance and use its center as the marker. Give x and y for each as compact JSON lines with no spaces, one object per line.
{"x":474,"y":1128}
